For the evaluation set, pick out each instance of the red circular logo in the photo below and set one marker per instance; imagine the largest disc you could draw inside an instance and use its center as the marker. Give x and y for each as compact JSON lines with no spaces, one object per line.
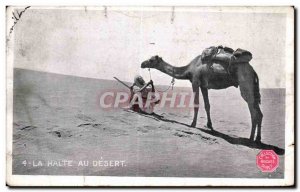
{"x":267,"y":160}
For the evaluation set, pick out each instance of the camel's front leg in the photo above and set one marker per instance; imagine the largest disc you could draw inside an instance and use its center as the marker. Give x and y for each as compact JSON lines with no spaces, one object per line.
{"x":207,"y":106}
{"x":196,"y":103}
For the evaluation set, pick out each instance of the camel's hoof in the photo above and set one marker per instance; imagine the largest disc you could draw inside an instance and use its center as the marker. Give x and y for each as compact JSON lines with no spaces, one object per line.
{"x":209,"y":125}
{"x":251,"y":139}
{"x":258,"y":140}
{"x":193,"y":124}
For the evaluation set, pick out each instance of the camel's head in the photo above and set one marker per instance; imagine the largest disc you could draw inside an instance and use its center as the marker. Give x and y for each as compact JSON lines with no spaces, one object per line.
{"x":152,"y":62}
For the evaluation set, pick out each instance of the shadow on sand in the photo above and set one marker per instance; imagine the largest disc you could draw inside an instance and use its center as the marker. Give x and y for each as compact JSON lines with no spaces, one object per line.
{"x":233,"y":140}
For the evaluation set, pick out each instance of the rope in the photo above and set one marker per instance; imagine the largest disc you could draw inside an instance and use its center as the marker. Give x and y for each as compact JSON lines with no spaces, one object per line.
{"x":149,"y":73}
{"x":171,"y":84}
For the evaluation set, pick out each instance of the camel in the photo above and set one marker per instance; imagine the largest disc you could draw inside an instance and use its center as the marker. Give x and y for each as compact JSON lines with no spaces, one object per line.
{"x":200,"y":76}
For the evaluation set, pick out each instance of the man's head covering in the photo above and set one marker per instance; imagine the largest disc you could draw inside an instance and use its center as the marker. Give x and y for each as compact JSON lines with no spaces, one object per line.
{"x":139,"y":81}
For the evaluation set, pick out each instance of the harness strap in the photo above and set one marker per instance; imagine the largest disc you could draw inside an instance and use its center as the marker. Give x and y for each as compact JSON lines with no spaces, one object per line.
{"x":173,"y":80}
{"x":171,"y":84}
{"x":149,"y":73}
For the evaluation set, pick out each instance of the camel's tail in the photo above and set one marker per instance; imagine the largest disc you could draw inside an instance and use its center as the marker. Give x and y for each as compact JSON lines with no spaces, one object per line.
{"x":256,"y":89}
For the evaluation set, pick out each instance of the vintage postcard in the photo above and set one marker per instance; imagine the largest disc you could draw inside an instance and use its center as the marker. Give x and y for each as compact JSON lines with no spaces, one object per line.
{"x":150,"y":96}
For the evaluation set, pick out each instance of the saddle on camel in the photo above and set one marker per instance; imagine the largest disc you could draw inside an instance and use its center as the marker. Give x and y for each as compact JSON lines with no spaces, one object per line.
{"x":223,"y":60}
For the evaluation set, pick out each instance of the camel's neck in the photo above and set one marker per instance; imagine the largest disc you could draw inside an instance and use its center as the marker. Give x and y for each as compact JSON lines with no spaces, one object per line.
{"x":176,"y":72}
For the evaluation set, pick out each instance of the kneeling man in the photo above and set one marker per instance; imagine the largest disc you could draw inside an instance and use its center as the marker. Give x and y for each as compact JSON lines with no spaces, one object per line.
{"x":143,"y":97}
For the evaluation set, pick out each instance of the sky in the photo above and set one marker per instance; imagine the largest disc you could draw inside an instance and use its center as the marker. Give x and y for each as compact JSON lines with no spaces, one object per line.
{"x":92,"y":42}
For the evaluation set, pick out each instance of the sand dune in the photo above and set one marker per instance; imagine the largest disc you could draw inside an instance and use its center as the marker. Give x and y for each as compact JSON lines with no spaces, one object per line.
{"x":57,"y":117}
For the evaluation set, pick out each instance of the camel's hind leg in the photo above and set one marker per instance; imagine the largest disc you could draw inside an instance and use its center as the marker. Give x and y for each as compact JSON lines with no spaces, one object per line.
{"x":253,"y":120}
{"x":259,"y":121}
{"x":256,"y":120}
{"x":247,"y":87}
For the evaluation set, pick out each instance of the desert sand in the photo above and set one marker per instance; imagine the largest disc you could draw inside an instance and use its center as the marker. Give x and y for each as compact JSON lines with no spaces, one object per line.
{"x":57,"y":117}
